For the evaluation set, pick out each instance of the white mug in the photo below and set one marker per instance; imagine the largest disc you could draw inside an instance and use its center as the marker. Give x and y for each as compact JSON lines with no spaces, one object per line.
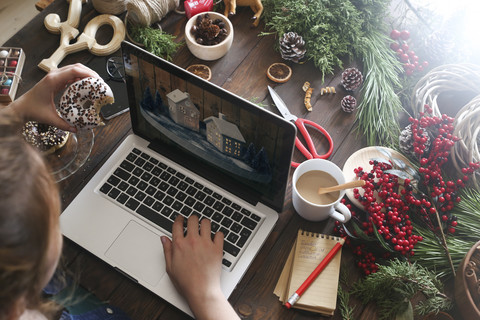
{"x":318,"y":212}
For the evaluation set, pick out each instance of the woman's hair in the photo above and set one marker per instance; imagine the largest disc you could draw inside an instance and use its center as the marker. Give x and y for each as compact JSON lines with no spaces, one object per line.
{"x":29,"y":208}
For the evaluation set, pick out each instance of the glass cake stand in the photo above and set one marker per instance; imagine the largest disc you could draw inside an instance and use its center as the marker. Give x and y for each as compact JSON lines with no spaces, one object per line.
{"x":72,"y":156}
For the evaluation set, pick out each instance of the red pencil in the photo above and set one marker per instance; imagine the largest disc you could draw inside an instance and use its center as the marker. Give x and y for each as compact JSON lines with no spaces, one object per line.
{"x":294,"y":298}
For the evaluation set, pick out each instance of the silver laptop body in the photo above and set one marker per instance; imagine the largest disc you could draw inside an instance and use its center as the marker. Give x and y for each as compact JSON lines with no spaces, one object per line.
{"x":177,"y":119}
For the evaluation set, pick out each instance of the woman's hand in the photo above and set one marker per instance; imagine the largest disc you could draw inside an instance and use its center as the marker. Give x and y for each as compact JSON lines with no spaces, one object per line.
{"x":38,"y":103}
{"x":194,"y":264}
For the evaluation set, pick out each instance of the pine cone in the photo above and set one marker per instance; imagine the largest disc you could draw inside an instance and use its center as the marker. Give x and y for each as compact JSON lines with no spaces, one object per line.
{"x":348,"y":104}
{"x":292,"y":47}
{"x":406,"y":141}
{"x":351,"y":79}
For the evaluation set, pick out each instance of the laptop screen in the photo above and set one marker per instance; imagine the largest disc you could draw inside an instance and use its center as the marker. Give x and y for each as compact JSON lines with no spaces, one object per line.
{"x":224,"y":138}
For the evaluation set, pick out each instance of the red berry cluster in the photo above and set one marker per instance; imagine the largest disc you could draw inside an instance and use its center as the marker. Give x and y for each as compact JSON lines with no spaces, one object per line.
{"x":404,"y":53}
{"x":366,"y":260}
{"x":394,"y":222}
{"x":386,"y":213}
{"x":443,"y":193}
{"x":391,"y":205}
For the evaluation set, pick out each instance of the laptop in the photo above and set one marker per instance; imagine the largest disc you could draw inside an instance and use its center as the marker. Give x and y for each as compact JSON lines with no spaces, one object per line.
{"x":195,"y":149}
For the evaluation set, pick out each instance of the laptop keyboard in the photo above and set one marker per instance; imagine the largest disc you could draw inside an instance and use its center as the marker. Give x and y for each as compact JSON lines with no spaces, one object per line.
{"x":160,"y":193}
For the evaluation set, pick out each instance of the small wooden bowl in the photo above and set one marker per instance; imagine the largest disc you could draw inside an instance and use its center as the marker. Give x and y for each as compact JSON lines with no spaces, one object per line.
{"x":463,"y":298}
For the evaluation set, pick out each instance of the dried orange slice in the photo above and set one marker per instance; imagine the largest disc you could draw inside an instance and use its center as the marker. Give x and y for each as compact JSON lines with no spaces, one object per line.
{"x":201,"y":70}
{"x":279,"y":72}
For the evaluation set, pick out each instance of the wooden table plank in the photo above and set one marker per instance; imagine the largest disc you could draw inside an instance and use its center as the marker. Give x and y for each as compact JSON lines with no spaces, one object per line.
{"x":242,"y":71}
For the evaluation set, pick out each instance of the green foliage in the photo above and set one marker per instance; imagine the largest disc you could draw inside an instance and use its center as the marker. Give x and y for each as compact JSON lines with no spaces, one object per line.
{"x":373,"y":13}
{"x":344,"y":296}
{"x":332,"y":29}
{"x":156,"y":41}
{"x":380,"y":105}
{"x":468,"y":214}
{"x":392,"y":287}
{"x":329,"y":27}
{"x":430,"y":253}
{"x":337,"y":29}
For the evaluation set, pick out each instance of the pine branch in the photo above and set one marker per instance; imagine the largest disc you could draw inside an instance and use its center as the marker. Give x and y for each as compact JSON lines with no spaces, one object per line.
{"x":344,"y":297}
{"x":443,"y":240}
{"x":392,"y":287}
{"x":429,"y":252}
{"x":156,"y":41}
{"x":329,"y":28}
{"x":380,"y":105}
{"x":421,"y":286}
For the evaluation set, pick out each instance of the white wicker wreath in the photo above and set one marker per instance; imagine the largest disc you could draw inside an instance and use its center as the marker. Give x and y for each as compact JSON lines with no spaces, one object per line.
{"x":455,"y":78}
{"x":450,"y":77}
{"x":467,"y":127}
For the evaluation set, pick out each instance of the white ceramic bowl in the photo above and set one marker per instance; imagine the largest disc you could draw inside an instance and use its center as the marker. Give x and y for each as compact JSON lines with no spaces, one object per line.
{"x":204,"y":52}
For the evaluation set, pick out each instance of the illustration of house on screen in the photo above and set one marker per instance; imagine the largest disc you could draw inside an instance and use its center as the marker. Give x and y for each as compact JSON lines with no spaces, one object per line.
{"x":182,"y":110}
{"x":225,"y":136}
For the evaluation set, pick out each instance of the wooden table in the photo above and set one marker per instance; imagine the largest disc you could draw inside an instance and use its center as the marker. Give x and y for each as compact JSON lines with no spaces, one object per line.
{"x":241,"y":71}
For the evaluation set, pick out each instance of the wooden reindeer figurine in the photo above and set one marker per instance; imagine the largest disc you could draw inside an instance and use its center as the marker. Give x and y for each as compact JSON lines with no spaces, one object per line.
{"x":255,"y":5}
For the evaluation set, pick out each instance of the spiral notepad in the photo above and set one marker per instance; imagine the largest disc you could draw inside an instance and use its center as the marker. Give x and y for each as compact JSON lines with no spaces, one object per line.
{"x":309,"y":249}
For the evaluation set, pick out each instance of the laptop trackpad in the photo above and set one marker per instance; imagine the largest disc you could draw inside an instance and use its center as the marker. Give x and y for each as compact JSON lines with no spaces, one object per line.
{"x":139,"y":252}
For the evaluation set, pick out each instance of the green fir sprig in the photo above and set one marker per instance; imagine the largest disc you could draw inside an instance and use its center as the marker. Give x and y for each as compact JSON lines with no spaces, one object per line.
{"x":380,"y":105}
{"x":156,"y":41}
{"x":330,"y":28}
{"x":344,"y":306}
{"x":467,"y":212}
{"x":430,"y":253}
{"x":392,"y":287}
{"x":373,"y":14}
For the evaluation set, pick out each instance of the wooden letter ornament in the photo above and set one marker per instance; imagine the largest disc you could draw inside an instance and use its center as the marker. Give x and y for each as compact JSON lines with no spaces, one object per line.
{"x":68,"y":31}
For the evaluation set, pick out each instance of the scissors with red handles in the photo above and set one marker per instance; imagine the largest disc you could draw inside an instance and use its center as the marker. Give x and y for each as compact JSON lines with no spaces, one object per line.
{"x":311,"y":152}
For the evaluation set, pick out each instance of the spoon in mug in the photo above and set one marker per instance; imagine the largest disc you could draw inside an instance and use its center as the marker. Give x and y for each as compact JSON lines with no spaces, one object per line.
{"x":348,"y":185}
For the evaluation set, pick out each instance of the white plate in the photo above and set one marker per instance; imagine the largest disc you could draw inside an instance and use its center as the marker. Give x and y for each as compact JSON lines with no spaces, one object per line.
{"x":361,"y":158}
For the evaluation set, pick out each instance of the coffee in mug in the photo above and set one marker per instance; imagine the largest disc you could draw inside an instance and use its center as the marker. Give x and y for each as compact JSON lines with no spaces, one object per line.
{"x":309,"y":182}
{"x":307,"y":178}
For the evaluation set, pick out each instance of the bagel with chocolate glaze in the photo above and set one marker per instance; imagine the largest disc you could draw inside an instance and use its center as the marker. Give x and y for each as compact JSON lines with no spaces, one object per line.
{"x":80,"y":104}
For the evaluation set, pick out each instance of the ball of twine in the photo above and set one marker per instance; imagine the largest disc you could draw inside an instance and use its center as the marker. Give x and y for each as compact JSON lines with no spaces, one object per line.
{"x":110,"y":6}
{"x":147,"y":12}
